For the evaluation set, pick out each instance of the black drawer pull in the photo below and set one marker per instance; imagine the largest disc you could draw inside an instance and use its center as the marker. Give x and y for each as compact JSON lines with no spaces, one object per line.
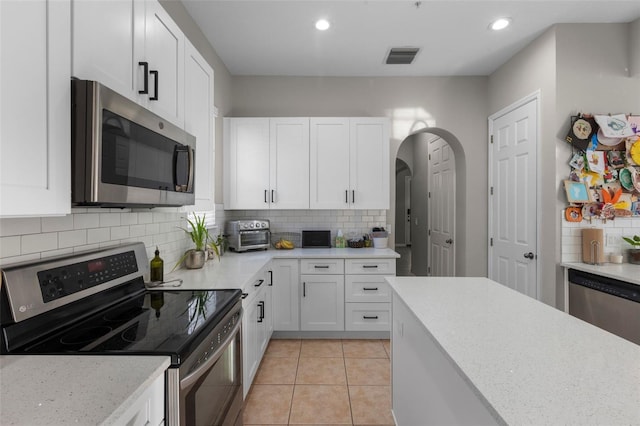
{"x":366,"y":317}
{"x":370,"y":288}
{"x":259,"y":283}
{"x":244,"y":295}
{"x":370,"y":266}
{"x":304,"y":289}
{"x":261,"y":314}
{"x":155,"y":86}
{"x":145,"y":66}
{"x":321,"y":266}
{"x":270,"y":278}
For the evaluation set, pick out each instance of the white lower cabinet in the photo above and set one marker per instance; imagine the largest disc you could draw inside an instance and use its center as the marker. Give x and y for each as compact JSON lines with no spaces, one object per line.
{"x":322,"y":303}
{"x":256,"y":326}
{"x":285,"y":295}
{"x":367,"y":294}
{"x":148,"y":409}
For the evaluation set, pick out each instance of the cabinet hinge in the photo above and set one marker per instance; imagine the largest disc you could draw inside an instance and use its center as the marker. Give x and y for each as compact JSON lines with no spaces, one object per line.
{"x":491,"y":242}
{"x":491,"y":138}
{"x":492,"y":190}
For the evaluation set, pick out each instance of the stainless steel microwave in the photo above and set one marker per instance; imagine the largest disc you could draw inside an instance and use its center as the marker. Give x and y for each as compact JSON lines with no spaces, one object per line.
{"x":124,"y":155}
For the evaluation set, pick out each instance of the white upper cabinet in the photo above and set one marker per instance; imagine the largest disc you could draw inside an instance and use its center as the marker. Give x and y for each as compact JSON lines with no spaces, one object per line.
{"x":134,"y":48}
{"x":349,"y":163}
{"x":108,"y":42}
{"x":164,"y":51}
{"x":266,"y":163}
{"x":246,"y":160}
{"x":35,"y":99}
{"x":289,"y":165}
{"x":329,"y":163}
{"x":199,"y":120}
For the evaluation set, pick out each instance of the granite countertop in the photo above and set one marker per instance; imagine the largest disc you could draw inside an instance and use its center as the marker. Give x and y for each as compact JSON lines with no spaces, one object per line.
{"x":69,"y":389}
{"x":234,"y":270}
{"x":531,"y":363}
{"x":624,"y":271}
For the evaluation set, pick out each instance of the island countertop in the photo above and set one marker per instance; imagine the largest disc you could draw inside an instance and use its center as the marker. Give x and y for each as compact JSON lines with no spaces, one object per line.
{"x":528,"y":362}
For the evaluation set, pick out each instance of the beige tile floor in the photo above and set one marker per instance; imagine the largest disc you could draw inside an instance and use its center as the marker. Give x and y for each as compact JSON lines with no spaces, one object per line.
{"x":322,"y":382}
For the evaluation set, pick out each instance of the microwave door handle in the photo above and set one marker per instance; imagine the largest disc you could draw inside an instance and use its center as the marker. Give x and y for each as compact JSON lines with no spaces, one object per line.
{"x":192,"y":169}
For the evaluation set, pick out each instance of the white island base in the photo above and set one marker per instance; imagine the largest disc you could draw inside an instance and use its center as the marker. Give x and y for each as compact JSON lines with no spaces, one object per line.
{"x":469,"y":351}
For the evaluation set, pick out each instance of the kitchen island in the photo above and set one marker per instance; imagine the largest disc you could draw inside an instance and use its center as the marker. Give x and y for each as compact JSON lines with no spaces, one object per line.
{"x":471,"y":351}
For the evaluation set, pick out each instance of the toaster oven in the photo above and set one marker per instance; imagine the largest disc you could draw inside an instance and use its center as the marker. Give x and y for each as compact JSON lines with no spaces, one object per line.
{"x":246,"y":234}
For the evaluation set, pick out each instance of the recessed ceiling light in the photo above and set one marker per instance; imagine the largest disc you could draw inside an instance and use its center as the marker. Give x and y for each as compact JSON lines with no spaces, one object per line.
{"x":500,"y":24}
{"x":322,"y":24}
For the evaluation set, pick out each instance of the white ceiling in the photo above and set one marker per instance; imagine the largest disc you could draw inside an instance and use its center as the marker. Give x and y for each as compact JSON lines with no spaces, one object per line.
{"x":279,"y":38}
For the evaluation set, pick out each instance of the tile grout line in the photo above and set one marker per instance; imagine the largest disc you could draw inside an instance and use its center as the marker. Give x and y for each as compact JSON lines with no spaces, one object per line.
{"x":295,"y":383}
{"x":346,"y":378}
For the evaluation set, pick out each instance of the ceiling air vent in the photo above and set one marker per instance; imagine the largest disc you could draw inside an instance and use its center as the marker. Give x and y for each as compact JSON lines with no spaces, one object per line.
{"x":402,"y":55}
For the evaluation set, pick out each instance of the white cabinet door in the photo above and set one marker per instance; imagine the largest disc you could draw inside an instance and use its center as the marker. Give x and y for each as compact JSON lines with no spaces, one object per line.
{"x":250,"y":346}
{"x":369,"y":163}
{"x":164,"y":51}
{"x":286,"y":304}
{"x":200,"y":122}
{"x":108,"y":42}
{"x":329,"y":163}
{"x":289,"y":165}
{"x":35,"y":99}
{"x":246,"y":155}
{"x":322,"y":303}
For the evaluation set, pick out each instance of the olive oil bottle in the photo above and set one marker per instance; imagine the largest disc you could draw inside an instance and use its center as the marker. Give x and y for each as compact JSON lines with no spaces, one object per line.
{"x":157,"y":268}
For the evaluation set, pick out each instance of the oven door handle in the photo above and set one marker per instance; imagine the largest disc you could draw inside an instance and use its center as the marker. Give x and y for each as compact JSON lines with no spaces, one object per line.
{"x":193,"y":377}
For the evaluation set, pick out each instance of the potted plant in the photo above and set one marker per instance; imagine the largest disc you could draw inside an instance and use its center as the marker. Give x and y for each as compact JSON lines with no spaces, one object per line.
{"x":634,"y":252}
{"x":195,"y":258}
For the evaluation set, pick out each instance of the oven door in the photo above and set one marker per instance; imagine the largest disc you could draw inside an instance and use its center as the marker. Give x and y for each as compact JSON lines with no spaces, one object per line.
{"x":210,"y":390}
{"x":254,"y":239}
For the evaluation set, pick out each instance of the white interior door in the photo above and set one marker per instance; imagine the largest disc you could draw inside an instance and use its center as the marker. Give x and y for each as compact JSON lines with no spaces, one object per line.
{"x":512,"y":197}
{"x":441,"y":209}
{"x":407,"y":210}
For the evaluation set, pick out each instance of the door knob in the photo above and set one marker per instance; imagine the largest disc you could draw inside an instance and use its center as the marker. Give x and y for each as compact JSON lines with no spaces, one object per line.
{"x":529,"y":255}
{"x":449,"y":241}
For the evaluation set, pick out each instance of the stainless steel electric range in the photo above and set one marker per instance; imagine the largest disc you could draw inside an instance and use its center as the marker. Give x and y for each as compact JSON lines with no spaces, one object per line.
{"x":97,"y":303}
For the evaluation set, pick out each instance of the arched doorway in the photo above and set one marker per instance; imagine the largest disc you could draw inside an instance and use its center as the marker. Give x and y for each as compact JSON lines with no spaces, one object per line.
{"x":419,"y":143}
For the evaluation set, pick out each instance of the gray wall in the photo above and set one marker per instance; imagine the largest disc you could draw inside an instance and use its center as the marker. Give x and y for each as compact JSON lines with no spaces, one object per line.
{"x":570,"y":81}
{"x":457,"y":104}
{"x":533,"y":69}
{"x":222,"y":78}
{"x":634,"y":48}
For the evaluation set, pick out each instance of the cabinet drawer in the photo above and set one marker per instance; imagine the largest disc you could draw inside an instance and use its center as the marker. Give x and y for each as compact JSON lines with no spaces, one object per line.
{"x":322,"y":266}
{"x":371,"y":266}
{"x":254,"y":285}
{"x":366,"y":288}
{"x":367,"y":316}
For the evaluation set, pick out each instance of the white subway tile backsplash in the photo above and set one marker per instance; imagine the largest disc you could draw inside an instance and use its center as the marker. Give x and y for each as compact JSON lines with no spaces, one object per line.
{"x":109,"y":219}
{"x":58,"y":223}
{"x":20,"y":226}
{"x":119,"y":232}
{"x":98,"y":235}
{"x":53,"y":253}
{"x":145,"y":217}
{"x":5,"y":261}
{"x":86,"y":220}
{"x":152,"y":228}
{"x":35,"y":243}
{"x":10,"y":246}
{"x":88,"y":247}
{"x":129,"y":218}
{"x":72,"y":238}
{"x":137,"y":230}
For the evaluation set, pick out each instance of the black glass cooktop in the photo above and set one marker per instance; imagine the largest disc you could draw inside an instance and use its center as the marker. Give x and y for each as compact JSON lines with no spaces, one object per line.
{"x":154,"y":322}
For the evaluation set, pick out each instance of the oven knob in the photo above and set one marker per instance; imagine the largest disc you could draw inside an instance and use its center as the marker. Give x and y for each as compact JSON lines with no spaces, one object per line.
{"x":251,"y":225}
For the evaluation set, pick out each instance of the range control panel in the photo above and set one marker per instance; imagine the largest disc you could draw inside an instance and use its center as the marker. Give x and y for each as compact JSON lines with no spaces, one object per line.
{"x":65,"y":280}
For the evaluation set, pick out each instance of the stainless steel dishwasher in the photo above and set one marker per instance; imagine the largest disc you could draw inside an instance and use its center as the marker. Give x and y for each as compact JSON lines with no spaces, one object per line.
{"x":610,"y":304}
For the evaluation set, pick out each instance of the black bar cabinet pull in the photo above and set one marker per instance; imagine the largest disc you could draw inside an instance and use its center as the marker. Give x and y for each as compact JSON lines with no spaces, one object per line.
{"x":366,"y":317}
{"x":270,"y":278}
{"x":369,"y":266}
{"x":321,"y":266}
{"x":304,"y":289}
{"x":244,"y":295}
{"x":259,"y":283}
{"x":265,"y":196}
{"x":353,"y":196}
{"x":155,"y":86}
{"x":346,"y":196}
{"x":261,"y":314}
{"x":370,"y":288}
{"x":272,"y":196}
{"x":145,"y":66}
